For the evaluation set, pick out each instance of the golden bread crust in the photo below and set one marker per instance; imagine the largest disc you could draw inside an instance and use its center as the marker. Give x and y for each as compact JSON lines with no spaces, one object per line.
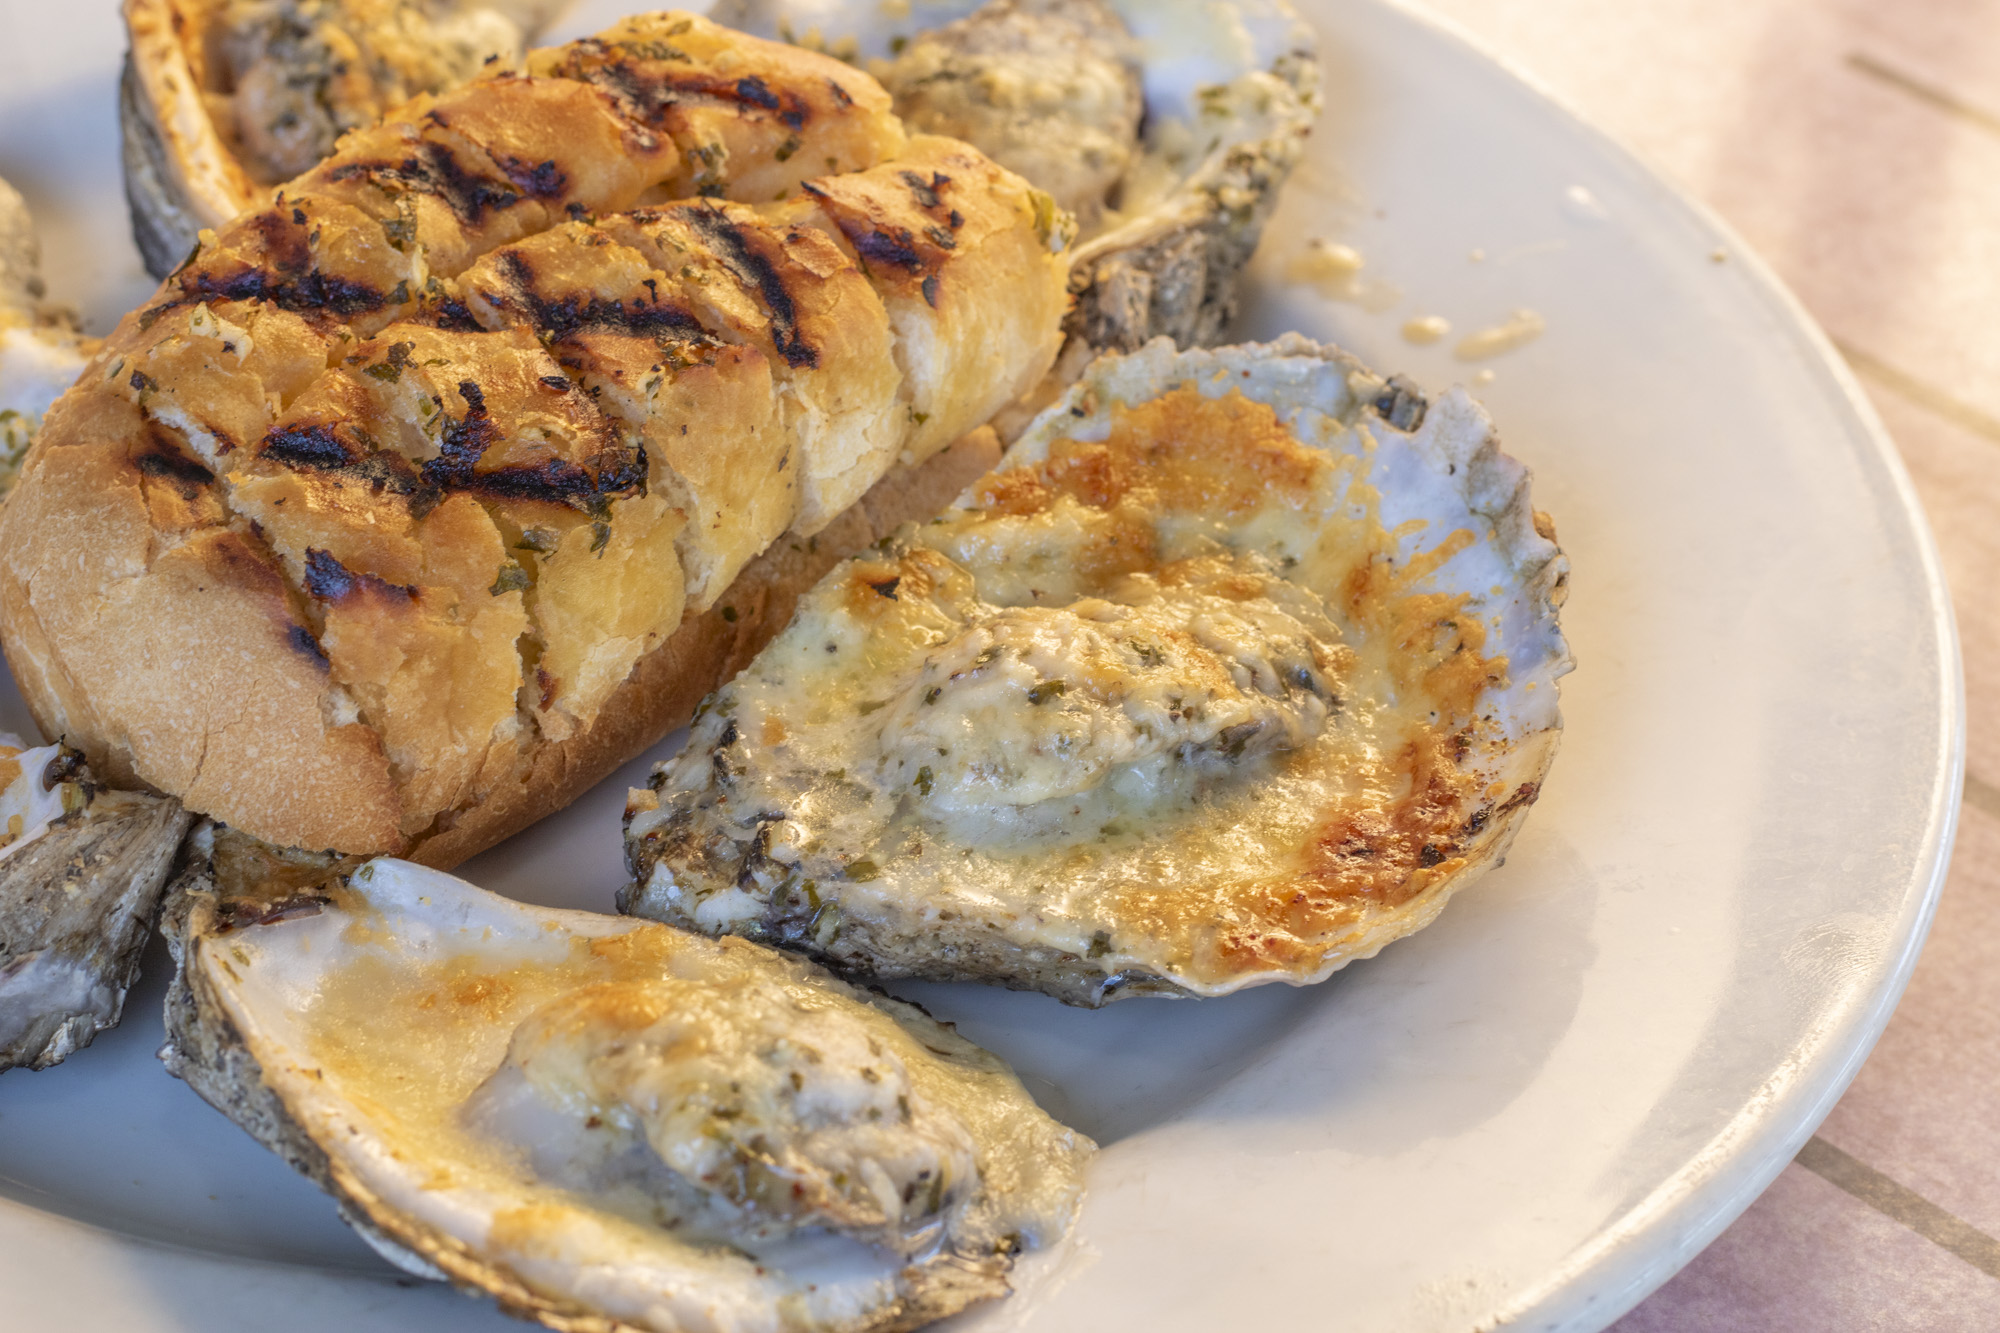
{"x":377,"y":527}
{"x":164,"y":644}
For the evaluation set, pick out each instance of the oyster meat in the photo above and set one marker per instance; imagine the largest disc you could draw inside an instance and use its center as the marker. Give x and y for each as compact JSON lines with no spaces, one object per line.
{"x":1239,"y":666}
{"x":605,"y":1124}
{"x":81,"y":871}
{"x":1229,"y":91}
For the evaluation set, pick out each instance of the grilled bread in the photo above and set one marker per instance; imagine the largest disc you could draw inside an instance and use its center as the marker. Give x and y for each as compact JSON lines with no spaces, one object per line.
{"x":419,"y":499}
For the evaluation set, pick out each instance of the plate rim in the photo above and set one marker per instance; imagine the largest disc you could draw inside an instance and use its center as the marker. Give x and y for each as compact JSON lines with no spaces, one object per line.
{"x":1688,"y":1210}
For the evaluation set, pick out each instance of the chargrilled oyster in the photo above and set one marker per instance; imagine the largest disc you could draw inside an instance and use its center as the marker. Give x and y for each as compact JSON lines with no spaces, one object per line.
{"x":1237,"y":668}
{"x":604,"y":1124}
{"x":40,"y":349}
{"x":81,"y":870}
{"x":381,"y":521}
{"x":1174,"y":201}
{"x":224,"y":99}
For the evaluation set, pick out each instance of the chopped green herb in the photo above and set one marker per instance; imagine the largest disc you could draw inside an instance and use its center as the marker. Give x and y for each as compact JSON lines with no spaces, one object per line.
{"x":924,"y":780}
{"x":1047,"y":690}
{"x":863,"y":870}
{"x":512,"y":578}
{"x":390,"y":368}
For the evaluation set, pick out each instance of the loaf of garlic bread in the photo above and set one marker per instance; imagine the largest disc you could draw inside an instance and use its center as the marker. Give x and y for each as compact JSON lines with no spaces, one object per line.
{"x":419,"y":499}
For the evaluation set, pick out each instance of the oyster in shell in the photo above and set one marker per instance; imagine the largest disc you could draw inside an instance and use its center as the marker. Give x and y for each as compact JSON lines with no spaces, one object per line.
{"x":605,"y":1124}
{"x":222,"y":99}
{"x":81,"y":871}
{"x":1238,"y":667}
{"x":1230,"y":89}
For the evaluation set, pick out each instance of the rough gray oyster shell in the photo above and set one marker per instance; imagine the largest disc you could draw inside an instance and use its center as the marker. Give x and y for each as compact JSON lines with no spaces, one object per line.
{"x":76,"y":904}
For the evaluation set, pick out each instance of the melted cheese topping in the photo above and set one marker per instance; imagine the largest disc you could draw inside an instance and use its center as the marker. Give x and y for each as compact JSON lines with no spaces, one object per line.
{"x":773,"y":1109}
{"x":1167,"y":701}
{"x":672,"y":1129}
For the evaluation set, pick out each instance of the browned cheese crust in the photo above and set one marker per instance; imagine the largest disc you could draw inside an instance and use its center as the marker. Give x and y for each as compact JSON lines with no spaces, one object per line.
{"x":423,"y":497}
{"x":1161,"y":708}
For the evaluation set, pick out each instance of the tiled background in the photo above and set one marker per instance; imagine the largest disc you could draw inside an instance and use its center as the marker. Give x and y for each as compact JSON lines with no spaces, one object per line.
{"x":1856,"y":145}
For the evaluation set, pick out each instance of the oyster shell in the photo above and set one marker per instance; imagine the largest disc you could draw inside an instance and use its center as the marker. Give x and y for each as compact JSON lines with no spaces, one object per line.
{"x":1230,"y":92}
{"x":81,"y":871}
{"x":1238,"y":667}
{"x":222,"y":99}
{"x":604,"y":1124}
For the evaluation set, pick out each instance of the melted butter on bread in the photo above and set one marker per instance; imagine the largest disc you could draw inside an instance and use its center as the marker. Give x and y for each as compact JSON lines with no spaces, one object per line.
{"x":445,"y":439}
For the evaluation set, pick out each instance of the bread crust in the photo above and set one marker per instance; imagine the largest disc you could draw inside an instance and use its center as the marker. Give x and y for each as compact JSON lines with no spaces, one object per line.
{"x":345,"y":554}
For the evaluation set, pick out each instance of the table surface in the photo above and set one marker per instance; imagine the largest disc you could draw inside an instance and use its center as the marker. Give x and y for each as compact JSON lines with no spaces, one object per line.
{"x":1856,"y":145}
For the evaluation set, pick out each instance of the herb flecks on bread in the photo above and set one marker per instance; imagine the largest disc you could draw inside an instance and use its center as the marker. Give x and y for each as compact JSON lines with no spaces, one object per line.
{"x":373,"y":530}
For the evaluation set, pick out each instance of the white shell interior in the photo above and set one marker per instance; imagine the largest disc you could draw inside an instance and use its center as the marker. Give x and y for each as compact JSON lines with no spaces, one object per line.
{"x":480,"y":1183}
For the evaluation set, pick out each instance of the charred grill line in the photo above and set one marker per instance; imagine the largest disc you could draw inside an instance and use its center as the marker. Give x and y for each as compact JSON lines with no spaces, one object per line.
{"x":560,"y":319}
{"x":465,"y":441}
{"x":435,"y":170}
{"x":453,"y":317}
{"x":307,"y":646}
{"x":310,"y":290}
{"x":306,"y":446}
{"x":186,"y":475}
{"x":755,"y":92}
{"x":752,"y":268}
{"x":330,"y":581}
{"x":540,"y":180}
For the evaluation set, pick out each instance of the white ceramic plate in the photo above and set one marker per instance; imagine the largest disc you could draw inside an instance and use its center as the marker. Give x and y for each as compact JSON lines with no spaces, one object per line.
{"x":1537,"y":1109}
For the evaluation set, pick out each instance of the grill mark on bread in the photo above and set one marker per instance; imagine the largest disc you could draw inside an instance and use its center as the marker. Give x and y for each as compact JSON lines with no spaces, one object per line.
{"x":647,"y":87}
{"x":866,"y":218}
{"x":434,"y":169}
{"x":305,"y":645}
{"x":560,"y":318}
{"x":734,"y":250}
{"x":452,"y":316}
{"x":464,"y":442}
{"x":313,"y":446}
{"x":287,"y":278}
{"x":316,"y":448}
{"x":330,"y":581}
{"x":184,"y":474}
